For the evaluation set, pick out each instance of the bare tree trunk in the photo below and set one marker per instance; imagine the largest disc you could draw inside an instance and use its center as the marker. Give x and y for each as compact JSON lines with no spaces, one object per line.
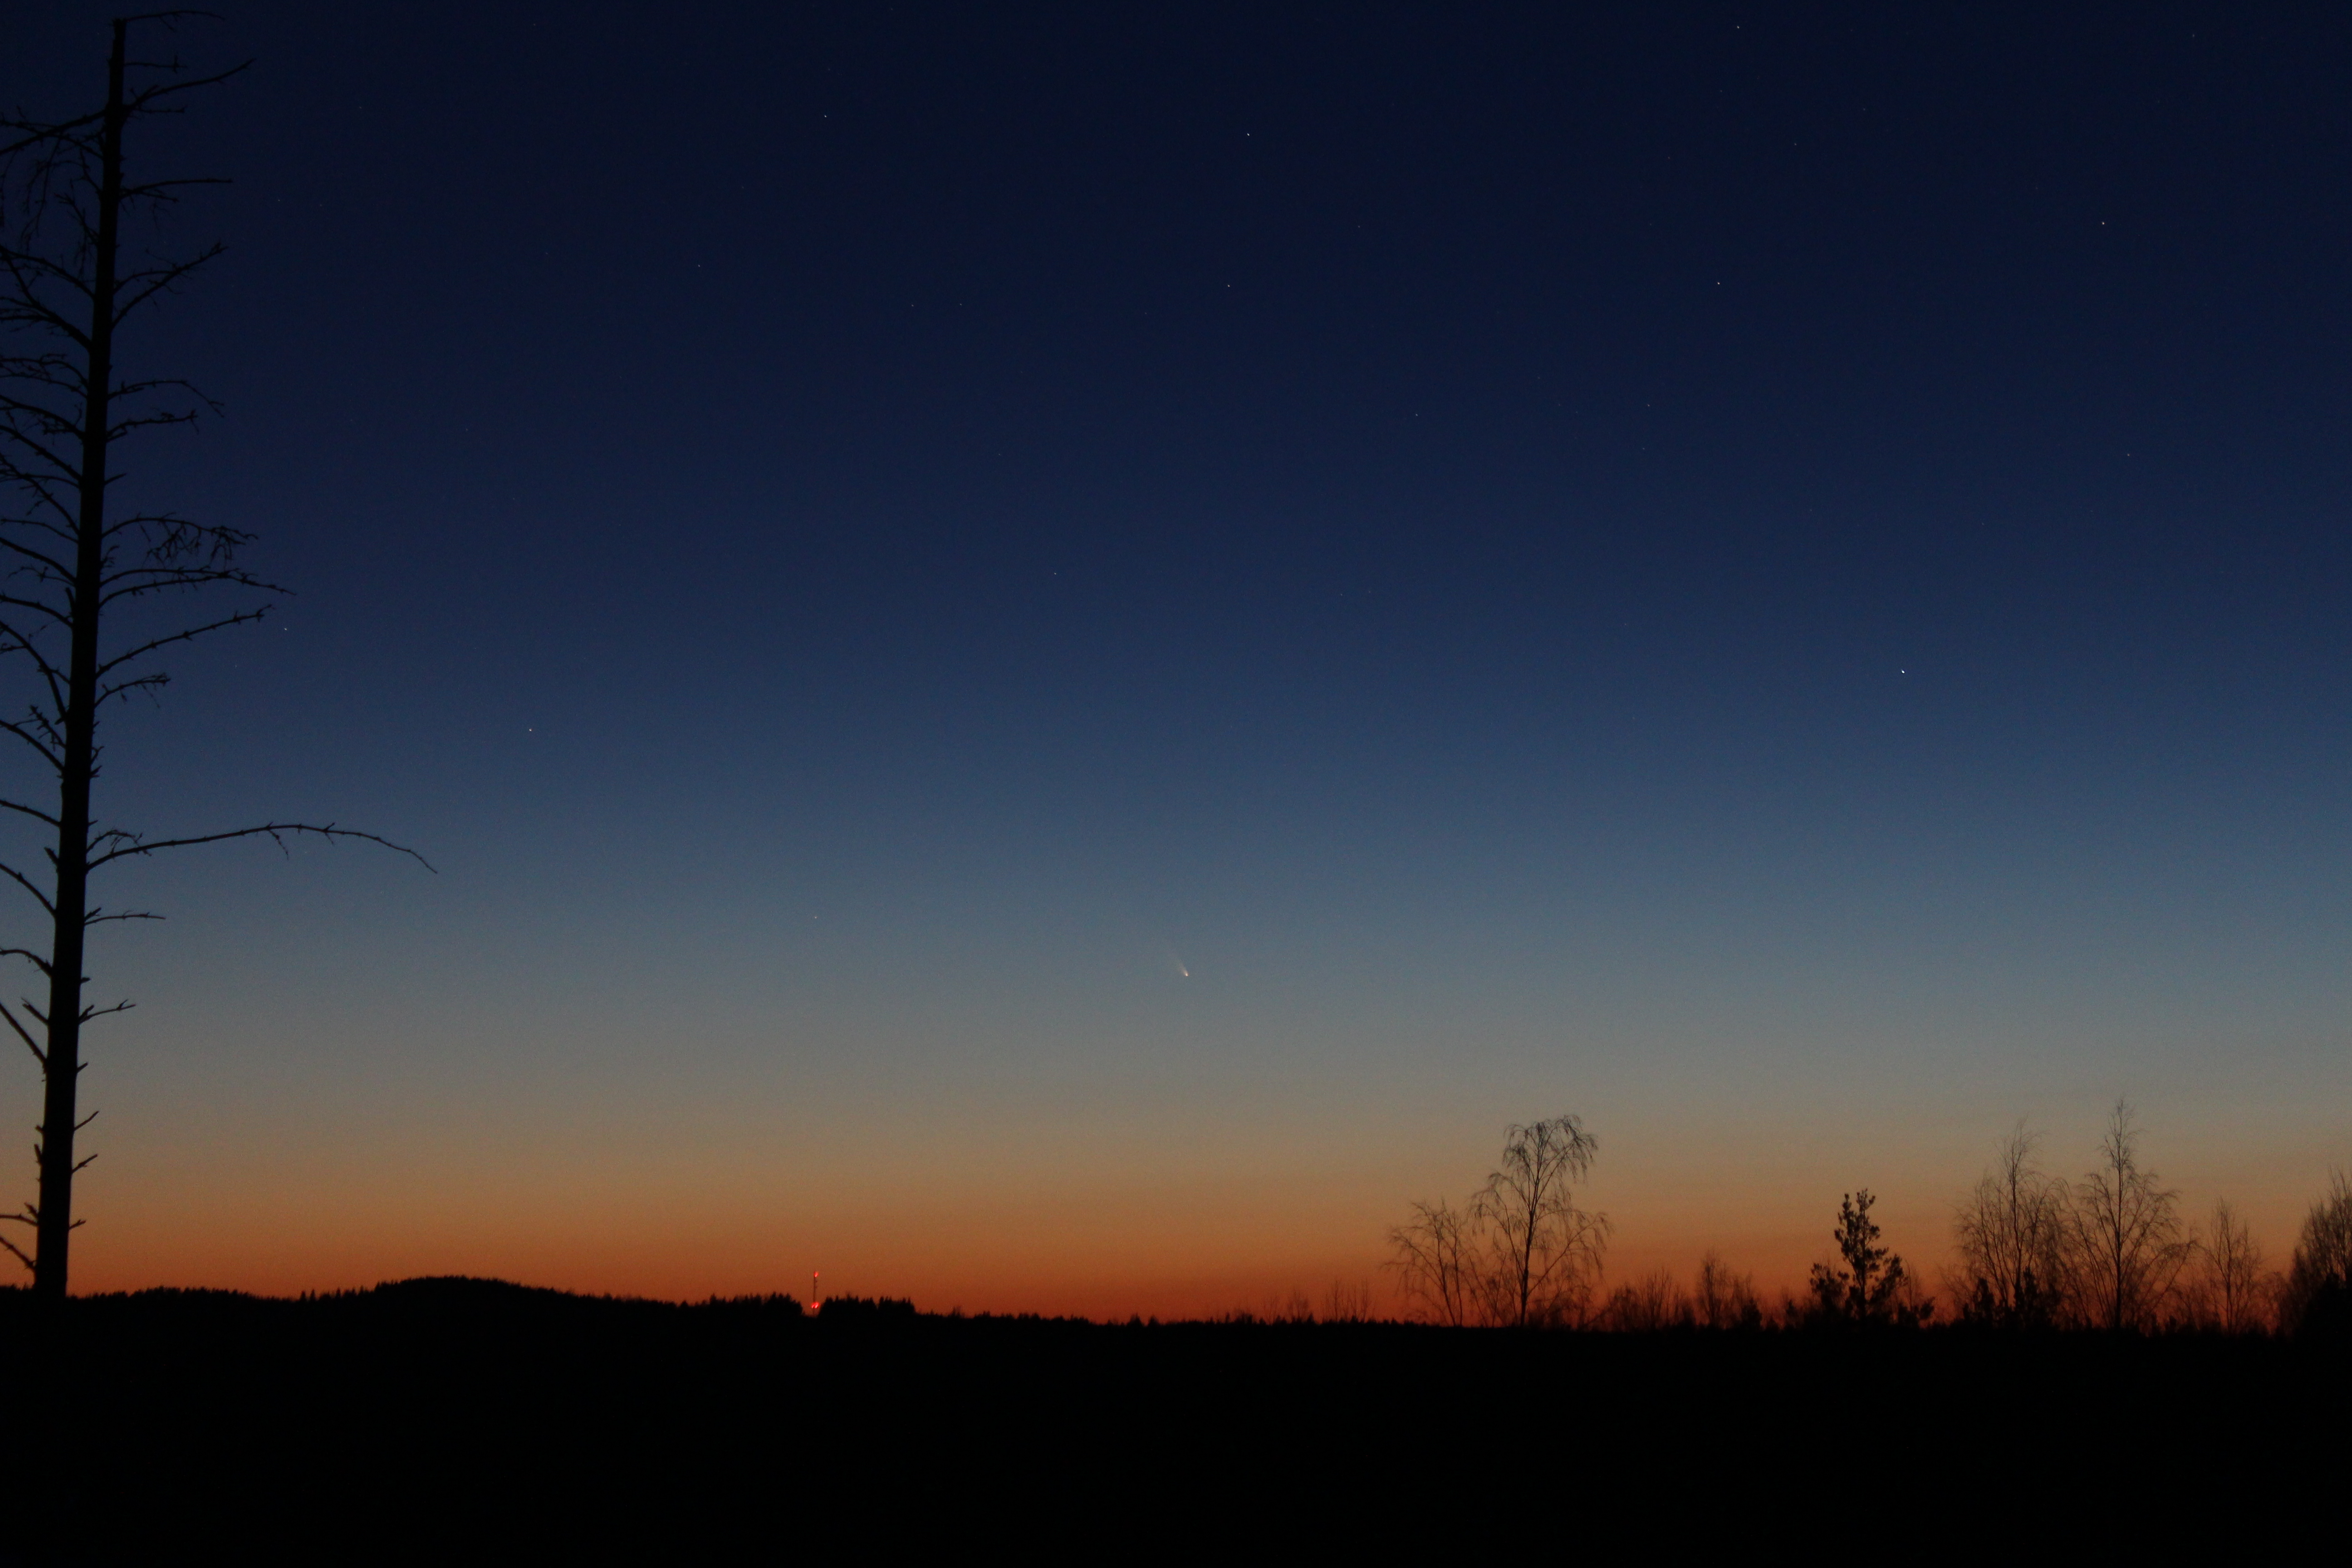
{"x":61,"y":1058}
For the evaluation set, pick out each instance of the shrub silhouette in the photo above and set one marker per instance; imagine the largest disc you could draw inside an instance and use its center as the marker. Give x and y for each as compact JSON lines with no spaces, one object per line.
{"x":2319,"y":1286}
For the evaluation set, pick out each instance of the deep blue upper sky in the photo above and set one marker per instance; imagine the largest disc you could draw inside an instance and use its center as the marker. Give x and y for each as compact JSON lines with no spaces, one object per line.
{"x":1548,"y":512}
{"x":1472,"y":364}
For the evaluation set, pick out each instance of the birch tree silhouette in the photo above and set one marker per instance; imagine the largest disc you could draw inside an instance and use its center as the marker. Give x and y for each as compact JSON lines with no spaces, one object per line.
{"x":2129,"y":1249}
{"x":1542,"y":1250}
{"x":1434,"y":1254}
{"x":2233,"y":1292}
{"x":1522,"y":1254}
{"x":77,"y":568}
{"x":1724,"y":1299}
{"x":2012,"y":1232}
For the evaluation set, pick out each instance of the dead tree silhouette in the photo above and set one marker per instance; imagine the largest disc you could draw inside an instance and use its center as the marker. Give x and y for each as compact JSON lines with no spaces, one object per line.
{"x":76,"y":571}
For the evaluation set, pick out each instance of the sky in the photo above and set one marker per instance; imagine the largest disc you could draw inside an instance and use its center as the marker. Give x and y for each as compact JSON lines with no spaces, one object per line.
{"x":1052,"y":657}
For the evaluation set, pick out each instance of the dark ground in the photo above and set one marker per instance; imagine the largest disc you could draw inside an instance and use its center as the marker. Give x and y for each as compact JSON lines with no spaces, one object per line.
{"x":451,"y":1420}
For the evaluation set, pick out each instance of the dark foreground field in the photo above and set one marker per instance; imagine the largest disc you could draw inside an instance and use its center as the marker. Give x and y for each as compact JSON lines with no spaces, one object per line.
{"x":451,"y":1420}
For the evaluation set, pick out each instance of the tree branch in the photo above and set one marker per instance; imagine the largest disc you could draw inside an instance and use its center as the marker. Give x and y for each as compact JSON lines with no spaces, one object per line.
{"x":39,"y":1055}
{"x":34,"y":812}
{"x":238,"y":619}
{"x":275,"y":831}
{"x":23,"y":881}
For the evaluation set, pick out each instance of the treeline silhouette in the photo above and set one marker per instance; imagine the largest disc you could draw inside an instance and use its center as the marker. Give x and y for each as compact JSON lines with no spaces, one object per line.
{"x":2111,"y":1250}
{"x":467,"y":1420}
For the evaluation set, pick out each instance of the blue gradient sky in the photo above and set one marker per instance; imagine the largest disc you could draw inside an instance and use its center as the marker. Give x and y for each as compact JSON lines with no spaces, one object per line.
{"x":1772,"y":576}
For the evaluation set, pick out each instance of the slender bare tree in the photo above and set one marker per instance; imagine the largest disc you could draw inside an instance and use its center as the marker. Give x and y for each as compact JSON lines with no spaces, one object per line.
{"x":1723,"y":1298}
{"x":1347,"y":1301}
{"x":2127,"y":1234}
{"x":1542,"y":1253}
{"x":84,"y":576}
{"x":1649,"y":1305}
{"x":2233,"y":1292}
{"x":2012,"y":1232}
{"x":1434,"y":1256}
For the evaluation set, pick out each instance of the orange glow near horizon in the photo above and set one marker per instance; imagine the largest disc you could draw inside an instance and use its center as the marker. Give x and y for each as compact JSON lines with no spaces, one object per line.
{"x":1233,"y":1229}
